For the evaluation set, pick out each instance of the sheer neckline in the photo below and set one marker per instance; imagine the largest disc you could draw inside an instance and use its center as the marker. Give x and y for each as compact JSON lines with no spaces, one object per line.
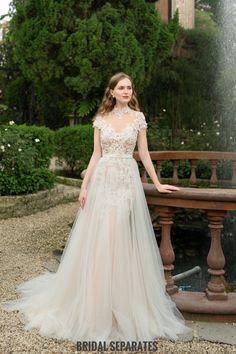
{"x":128,"y":126}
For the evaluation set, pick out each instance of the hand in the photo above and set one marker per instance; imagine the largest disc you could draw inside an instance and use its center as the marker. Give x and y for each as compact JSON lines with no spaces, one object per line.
{"x":166,"y":188}
{"x":82,"y":197}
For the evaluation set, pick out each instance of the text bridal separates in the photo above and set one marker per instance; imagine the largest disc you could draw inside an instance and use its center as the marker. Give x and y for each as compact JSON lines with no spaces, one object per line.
{"x":110,"y":283}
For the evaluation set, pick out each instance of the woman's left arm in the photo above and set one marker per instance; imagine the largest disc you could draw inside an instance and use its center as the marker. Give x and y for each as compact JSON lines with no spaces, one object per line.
{"x":147,"y":163}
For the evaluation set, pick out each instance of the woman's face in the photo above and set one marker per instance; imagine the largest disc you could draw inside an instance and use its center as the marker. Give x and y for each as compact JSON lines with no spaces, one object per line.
{"x":123,"y":91}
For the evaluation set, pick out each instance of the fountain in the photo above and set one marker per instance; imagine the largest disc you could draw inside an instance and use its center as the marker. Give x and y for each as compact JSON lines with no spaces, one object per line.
{"x":226,"y":76}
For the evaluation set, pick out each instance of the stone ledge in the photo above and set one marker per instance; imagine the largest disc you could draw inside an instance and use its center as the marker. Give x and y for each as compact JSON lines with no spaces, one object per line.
{"x":15,"y":206}
{"x":74,"y":182}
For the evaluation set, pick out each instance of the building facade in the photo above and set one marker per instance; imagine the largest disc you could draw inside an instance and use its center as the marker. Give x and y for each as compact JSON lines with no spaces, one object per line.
{"x":186,"y":8}
{"x":3,"y":29}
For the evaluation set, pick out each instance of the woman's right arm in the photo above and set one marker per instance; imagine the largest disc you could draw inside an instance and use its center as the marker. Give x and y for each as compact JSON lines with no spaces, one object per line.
{"x":97,"y":152}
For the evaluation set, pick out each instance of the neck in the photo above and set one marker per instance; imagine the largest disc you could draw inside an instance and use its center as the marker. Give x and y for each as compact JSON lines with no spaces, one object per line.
{"x":120,"y":105}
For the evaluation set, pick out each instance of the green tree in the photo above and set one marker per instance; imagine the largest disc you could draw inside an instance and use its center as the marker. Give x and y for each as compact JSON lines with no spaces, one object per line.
{"x":181,"y":93}
{"x":66,"y":51}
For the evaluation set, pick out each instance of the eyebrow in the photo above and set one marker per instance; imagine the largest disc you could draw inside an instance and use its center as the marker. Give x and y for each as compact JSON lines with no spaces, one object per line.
{"x":124,"y":86}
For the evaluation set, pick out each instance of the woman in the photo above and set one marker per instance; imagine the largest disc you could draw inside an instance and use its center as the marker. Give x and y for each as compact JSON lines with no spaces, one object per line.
{"x":110,"y":283}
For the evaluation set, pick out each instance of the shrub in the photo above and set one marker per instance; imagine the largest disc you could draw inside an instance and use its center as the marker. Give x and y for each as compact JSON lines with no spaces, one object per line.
{"x":211,"y":138}
{"x":38,"y":179}
{"x":25,"y":153}
{"x":74,"y":145}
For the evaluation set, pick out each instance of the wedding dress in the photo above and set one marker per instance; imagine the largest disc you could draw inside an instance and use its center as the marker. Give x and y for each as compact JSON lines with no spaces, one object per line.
{"x":110,"y":283}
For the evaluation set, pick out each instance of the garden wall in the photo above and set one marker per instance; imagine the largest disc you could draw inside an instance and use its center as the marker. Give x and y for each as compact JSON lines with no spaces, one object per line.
{"x":15,"y":206}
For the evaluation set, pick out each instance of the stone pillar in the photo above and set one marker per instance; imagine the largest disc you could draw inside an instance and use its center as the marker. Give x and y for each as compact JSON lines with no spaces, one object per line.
{"x":215,"y":259}
{"x":162,"y":7}
{"x":166,"y":249}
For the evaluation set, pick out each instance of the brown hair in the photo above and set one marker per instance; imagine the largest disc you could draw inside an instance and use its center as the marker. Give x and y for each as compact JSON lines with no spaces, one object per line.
{"x":108,"y":102}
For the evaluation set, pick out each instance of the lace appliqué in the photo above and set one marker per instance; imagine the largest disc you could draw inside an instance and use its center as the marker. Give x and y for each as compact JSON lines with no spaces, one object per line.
{"x":120,"y":143}
{"x":114,"y":170}
{"x":115,"y":176}
{"x":142,"y":120}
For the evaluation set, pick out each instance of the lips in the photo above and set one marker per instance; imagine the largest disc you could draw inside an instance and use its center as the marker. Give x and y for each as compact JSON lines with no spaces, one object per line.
{"x":125,"y":97}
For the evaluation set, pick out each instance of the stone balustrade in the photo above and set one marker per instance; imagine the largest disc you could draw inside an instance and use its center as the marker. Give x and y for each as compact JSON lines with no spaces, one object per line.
{"x":192,"y":156}
{"x":216,"y":202}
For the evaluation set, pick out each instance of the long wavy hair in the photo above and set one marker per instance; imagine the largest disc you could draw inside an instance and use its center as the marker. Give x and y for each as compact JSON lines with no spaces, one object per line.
{"x":108,"y":101}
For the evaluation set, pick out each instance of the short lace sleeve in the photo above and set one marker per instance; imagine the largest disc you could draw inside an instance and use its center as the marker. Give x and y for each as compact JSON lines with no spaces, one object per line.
{"x":141,"y":121}
{"x":97,"y":123}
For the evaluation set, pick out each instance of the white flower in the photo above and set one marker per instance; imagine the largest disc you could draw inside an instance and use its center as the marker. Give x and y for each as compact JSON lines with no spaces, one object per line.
{"x":198,"y":133}
{"x":231,"y":137}
{"x":203,"y":123}
{"x":2,"y":147}
{"x":207,"y":144}
{"x":11,"y":122}
{"x":191,"y":130}
{"x":164,"y":110}
{"x":218,"y":125}
{"x":217,"y":133}
{"x":8,"y":145}
{"x":5,"y":129}
{"x":19,"y":149}
{"x":37,"y":140}
{"x":215,"y":121}
{"x":182,"y":142}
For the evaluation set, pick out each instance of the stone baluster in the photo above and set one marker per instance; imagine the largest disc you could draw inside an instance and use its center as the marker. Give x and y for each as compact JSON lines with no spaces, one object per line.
{"x":193,"y":178}
{"x":144,"y":175}
{"x":175,"y":178}
{"x":215,"y":259}
{"x":214,"y":179}
{"x":233,"y":180}
{"x":166,"y":249}
{"x":158,"y":169}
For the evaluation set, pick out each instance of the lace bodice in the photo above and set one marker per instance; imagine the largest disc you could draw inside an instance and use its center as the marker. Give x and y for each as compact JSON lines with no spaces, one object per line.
{"x":120,"y":143}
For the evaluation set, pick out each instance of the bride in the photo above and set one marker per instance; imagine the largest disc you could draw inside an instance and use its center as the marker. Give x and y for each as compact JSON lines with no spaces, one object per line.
{"x":110,"y":283}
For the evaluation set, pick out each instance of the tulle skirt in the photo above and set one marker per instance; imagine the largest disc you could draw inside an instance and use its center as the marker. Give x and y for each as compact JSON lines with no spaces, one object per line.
{"x":110,"y":283}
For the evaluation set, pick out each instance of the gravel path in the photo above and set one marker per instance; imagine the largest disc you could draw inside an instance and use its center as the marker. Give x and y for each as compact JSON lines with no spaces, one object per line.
{"x":26,"y":243}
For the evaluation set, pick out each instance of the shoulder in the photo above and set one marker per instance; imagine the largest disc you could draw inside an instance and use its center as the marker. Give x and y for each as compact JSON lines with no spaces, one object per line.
{"x":98,"y":122}
{"x":141,"y":120}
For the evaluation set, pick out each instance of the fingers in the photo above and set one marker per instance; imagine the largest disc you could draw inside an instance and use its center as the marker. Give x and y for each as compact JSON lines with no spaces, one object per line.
{"x":82,"y":202}
{"x":170,"y":187}
{"x":166,"y":188}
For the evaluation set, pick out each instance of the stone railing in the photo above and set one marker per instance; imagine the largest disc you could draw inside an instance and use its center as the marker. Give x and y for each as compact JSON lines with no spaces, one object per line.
{"x":193,"y":157}
{"x":216,"y":202}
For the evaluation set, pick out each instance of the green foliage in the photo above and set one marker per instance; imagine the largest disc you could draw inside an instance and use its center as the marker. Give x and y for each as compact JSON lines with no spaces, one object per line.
{"x":180,"y":95}
{"x":86,"y":106}
{"x":74,"y":145}
{"x":38,"y":179}
{"x":214,"y":6}
{"x":206,"y":138}
{"x":25,"y":153}
{"x":65,"y":51}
